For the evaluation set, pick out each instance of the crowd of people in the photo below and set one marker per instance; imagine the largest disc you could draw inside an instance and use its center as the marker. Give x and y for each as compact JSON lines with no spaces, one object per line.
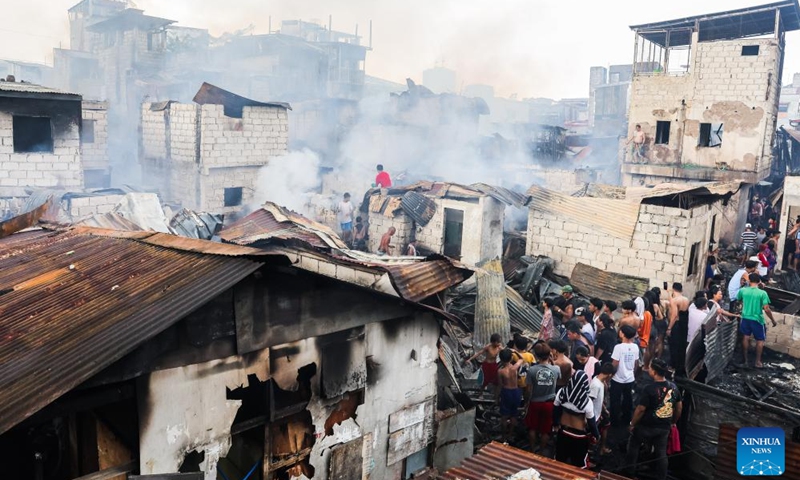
{"x":601,"y":364}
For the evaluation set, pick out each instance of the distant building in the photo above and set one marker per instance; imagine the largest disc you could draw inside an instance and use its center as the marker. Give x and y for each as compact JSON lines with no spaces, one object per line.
{"x":709,"y":110}
{"x":206,"y":156}
{"x":39,"y":137}
{"x":439,"y":80}
{"x":37,"y":73}
{"x":789,"y":106}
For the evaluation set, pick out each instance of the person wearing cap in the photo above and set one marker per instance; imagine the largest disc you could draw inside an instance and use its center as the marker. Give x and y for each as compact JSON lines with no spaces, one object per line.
{"x":748,"y":238}
{"x":567,"y":308}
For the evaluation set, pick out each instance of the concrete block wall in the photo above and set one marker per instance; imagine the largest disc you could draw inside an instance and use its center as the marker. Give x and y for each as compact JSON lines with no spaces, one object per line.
{"x":154,"y":132}
{"x":183,"y":132}
{"x":659,"y":250}
{"x":722,"y":87}
{"x":262,"y":133}
{"x":95,"y":154}
{"x":785,"y":338}
{"x":81,"y":207}
{"x":61,"y":168}
{"x":379,"y":224}
{"x":214,"y":183}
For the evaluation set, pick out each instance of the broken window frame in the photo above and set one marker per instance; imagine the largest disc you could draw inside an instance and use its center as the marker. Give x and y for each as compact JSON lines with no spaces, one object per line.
{"x":22,"y":124}
{"x":662,"y":132}
{"x":710,"y":135}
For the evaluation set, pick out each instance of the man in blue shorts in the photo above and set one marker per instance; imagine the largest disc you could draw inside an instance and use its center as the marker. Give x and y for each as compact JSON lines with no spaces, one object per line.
{"x":755,"y":303}
{"x":344,"y":212}
{"x":510,"y":395}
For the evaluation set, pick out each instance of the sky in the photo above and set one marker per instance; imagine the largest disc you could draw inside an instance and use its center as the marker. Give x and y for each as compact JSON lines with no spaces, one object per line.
{"x":528,"y":48}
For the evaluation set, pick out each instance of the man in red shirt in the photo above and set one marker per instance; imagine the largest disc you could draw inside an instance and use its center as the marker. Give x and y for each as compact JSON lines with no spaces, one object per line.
{"x":382,"y":179}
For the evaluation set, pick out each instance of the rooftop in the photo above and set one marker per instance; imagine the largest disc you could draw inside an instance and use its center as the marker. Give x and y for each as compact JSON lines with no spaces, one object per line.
{"x":234,"y":104}
{"x":73,"y":295}
{"x":728,"y":25}
{"x":129,"y":19}
{"x":31,"y":90}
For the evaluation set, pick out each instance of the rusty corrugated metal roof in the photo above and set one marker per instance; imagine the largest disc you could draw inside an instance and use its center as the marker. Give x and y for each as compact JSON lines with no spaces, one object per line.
{"x":274,"y":222}
{"x":509,"y":197}
{"x":594,"y":282}
{"x":25,"y":220}
{"x":497,"y":461}
{"x":613,"y":217}
{"x":73,"y":302}
{"x":418,"y":281}
{"x":234,"y":104}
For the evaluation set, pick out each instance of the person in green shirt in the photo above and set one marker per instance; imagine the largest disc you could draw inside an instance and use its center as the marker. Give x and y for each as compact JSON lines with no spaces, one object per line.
{"x":755,"y":303}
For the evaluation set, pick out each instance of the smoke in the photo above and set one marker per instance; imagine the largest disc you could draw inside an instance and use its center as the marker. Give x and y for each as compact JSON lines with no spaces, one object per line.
{"x":289,"y":180}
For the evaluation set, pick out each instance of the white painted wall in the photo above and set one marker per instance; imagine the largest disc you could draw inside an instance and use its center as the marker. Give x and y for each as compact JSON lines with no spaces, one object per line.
{"x":185,"y":409}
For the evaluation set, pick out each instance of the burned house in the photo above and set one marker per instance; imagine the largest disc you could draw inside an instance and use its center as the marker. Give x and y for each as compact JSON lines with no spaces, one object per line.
{"x":465,"y":223}
{"x":215,"y":358}
{"x":40,"y":137}
{"x":647,"y":235}
{"x":206,"y":156}
{"x":709,"y":110}
{"x":94,"y":144}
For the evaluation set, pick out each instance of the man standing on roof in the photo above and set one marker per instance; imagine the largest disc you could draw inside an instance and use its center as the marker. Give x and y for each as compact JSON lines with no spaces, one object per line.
{"x":344,"y":211}
{"x":382,"y":180}
{"x":385,"y":248}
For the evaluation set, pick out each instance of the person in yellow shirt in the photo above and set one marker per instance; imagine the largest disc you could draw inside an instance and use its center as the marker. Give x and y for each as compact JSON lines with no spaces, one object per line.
{"x":520,"y":351}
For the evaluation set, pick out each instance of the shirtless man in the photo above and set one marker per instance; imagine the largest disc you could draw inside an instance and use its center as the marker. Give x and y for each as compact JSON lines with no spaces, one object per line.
{"x":629,"y":316}
{"x":678,"y":327}
{"x":510,"y":394}
{"x":558,"y":351}
{"x":489,"y":364}
{"x":386,"y":247}
{"x":638,"y":138}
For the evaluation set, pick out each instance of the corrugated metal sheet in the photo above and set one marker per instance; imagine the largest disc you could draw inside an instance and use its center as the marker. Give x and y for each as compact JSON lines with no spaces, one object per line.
{"x":72,"y":303}
{"x":497,"y":461}
{"x":25,"y":220}
{"x":671,"y":189}
{"x":593,"y":282}
{"x":726,"y":455}
{"x":273,"y":222}
{"x":720,"y":344}
{"x":491,"y":309}
{"x":419,"y":207}
{"x":613,"y":217}
{"x":509,"y":197}
{"x":522,"y":315}
{"x":210,"y":94}
{"x":418,"y":281}
{"x":110,"y":221}
{"x":30,"y":89}
{"x":201,"y":225}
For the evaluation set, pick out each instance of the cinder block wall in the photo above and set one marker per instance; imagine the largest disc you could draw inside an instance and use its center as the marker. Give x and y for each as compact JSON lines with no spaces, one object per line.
{"x":379,"y":224}
{"x":61,"y":168}
{"x":659,"y":251}
{"x":262,"y":133}
{"x":95,"y":154}
{"x":784,"y":338}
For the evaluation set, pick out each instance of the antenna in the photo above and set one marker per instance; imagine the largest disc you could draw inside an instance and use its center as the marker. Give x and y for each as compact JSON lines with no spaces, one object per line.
{"x":370,"y":34}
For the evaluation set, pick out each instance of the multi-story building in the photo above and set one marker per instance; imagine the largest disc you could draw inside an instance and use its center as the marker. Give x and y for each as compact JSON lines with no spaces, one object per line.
{"x":206,"y":156}
{"x":709,"y":110}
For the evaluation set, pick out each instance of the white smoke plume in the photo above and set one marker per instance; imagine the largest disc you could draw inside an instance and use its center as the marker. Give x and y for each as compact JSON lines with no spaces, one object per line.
{"x":288,"y":180}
